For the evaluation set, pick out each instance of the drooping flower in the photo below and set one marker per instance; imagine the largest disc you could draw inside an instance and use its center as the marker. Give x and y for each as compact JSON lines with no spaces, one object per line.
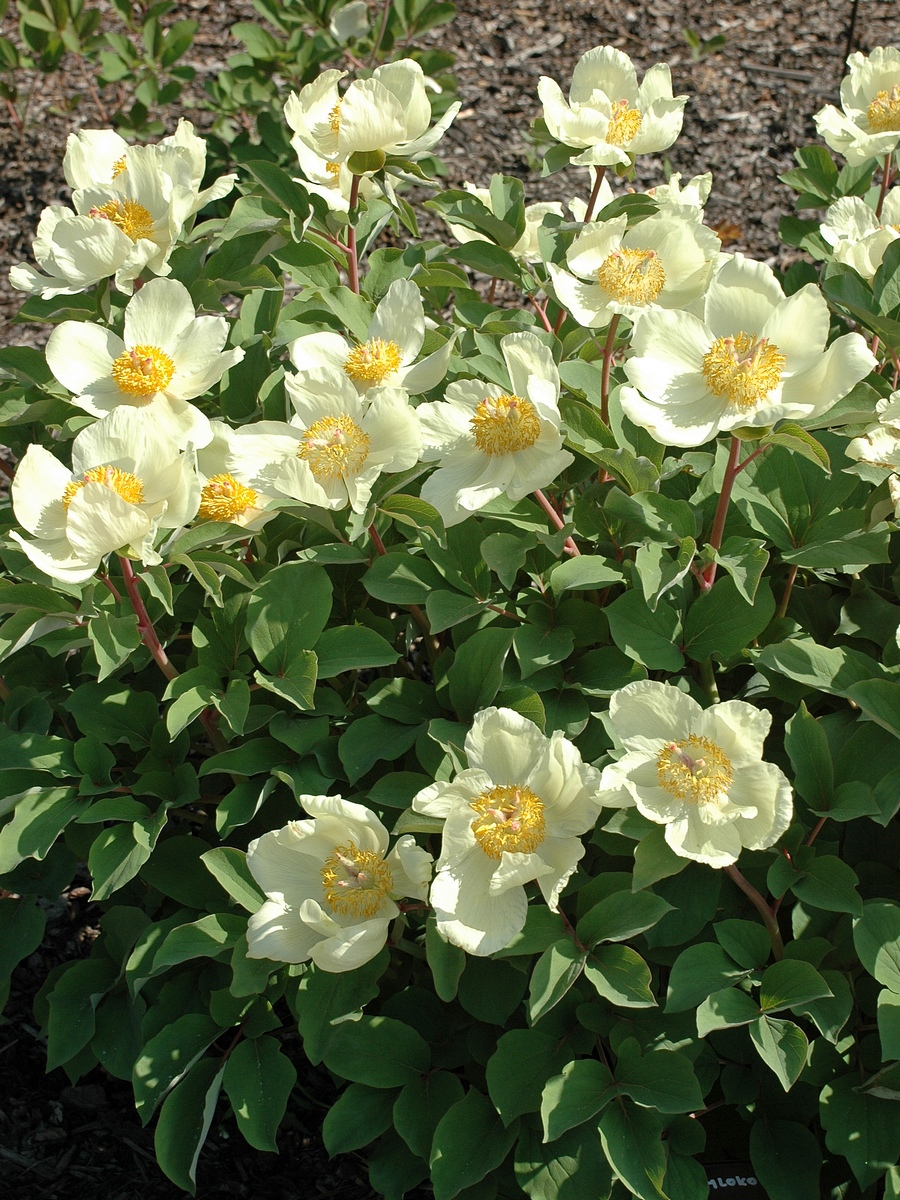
{"x":168,"y":356}
{"x":389,"y":113}
{"x":662,"y":262}
{"x":330,"y":885}
{"x":489,"y":441}
{"x":516,"y":814}
{"x":97,"y":157}
{"x":127,"y":482}
{"x":118,"y":229}
{"x":756,"y":357}
{"x":857,"y":236}
{"x":869,"y":126}
{"x":608,"y":113}
{"x":697,"y":771}
{"x":386,"y":357}
{"x":526,"y":248}
{"x":335,"y":446}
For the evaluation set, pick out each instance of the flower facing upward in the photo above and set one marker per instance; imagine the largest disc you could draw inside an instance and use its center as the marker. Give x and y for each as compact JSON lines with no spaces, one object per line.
{"x":608,"y":115}
{"x":330,"y":885}
{"x":489,"y":441}
{"x":869,"y":126}
{"x":756,"y":357}
{"x":168,"y":356}
{"x":697,"y":771}
{"x":387,"y":355}
{"x":515,"y":815}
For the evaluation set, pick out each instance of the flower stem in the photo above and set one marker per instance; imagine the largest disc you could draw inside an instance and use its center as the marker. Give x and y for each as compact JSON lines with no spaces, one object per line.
{"x":607,"y":368}
{"x":768,"y":917}
{"x":599,"y":173}
{"x":708,"y":577}
{"x":708,"y":679}
{"x":542,"y":313}
{"x":376,"y":45}
{"x":555,"y":518}
{"x":885,"y":183}
{"x":783,"y":606}
{"x":352,"y":256}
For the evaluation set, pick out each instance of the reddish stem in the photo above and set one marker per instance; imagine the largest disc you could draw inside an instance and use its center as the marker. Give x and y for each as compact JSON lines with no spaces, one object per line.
{"x":555,"y":518}
{"x":352,"y":256}
{"x":816,"y":831}
{"x":708,"y":577}
{"x":885,"y":183}
{"x":376,"y":540}
{"x":146,"y":627}
{"x":599,"y":173}
{"x":783,"y":606}
{"x":607,"y":368}
{"x":542,"y":313}
{"x":768,"y":917}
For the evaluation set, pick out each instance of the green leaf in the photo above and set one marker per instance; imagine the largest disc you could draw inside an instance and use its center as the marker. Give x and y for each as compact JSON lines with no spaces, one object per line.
{"x":798,"y":441}
{"x":827,"y":882}
{"x":229,"y":867}
{"x":631,"y":1142}
{"x":358,"y":1116}
{"x":663,"y":1080}
{"x":621,"y":916}
{"x":786,"y":1158}
{"x":583,"y":1089}
{"x":620,"y":975}
{"x":650,"y":638}
{"x":378,"y":1051}
{"x":790,"y":984}
{"x":323,"y":999}
{"x":258,"y":1081}
{"x":421,"y":1106}
{"x":72,"y":1007}
{"x":22,"y":923}
{"x":352,"y":648}
{"x":724,"y":1010}
{"x":168,"y":1056}
{"x":517,"y":1069}
{"x":659,"y":572}
{"x":573,"y":1168}
{"x":585,"y":573}
{"x":879,"y":699}
{"x":537,"y":648}
{"x":469,"y":1142}
{"x":696,"y":973}
{"x":720,"y":622}
{"x":114,"y":713}
{"x":745,"y":560}
{"x":745,"y":941}
{"x":38,"y":819}
{"x":477,"y":670}
{"x":889,"y":1025}
{"x":290,"y":194}
{"x":286,"y":615}
{"x":554,"y":973}
{"x":210,"y":937}
{"x":654,"y":859}
{"x":373,"y":739}
{"x":807,"y":746}
{"x":411,"y":510}
{"x":861,"y":1127}
{"x":184,"y":1123}
{"x":114,"y":640}
{"x":782,"y":1045}
{"x":399,"y":577}
{"x":876,"y":936}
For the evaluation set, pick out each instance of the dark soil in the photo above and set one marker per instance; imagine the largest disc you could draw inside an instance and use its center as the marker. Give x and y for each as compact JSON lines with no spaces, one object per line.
{"x":751,"y":105}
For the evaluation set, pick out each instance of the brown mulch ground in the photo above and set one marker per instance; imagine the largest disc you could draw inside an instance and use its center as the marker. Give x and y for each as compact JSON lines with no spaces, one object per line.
{"x":752,"y":103}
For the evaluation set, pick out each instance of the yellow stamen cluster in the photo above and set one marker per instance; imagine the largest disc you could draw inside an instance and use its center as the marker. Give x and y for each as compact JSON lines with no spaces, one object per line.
{"x":132,"y":218}
{"x":143,"y":371}
{"x":623,"y":124}
{"x":505,"y":424}
{"x":119,"y":166}
{"x":632,"y":276}
{"x":884,"y":111}
{"x":123,"y":483}
{"x":224,"y":499}
{"x":334,"y":447}
{"x":334,"y":170}
{"x":695,"y":769}
{"x":510,"y":819}
{"x":743,"y":368}
{"x":334,"y":119}
{"x":373,"y":361}
{"x":356,"y":882}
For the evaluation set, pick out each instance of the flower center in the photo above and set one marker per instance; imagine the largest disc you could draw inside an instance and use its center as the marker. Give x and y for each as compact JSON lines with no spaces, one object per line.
{"x":743,"y":368}
{"x":510,"y":819}
{"x":143,"y":370}
{"x":334,"y":119}
{"x":505,"y":424}
{"x":623,"y":124}
{"x":373,"y":361}
{"x":223,"y":499}
{"x":132,"y":218}
{"x":123,"y":483}
{"x":333,"y":447}
{"x":334,"y":170}
{"x":696,"y":770}
{"x":884,"y":111}
{"x":119,"y":166}
{"x":356,"y":882}
{"x":632,"y":276}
